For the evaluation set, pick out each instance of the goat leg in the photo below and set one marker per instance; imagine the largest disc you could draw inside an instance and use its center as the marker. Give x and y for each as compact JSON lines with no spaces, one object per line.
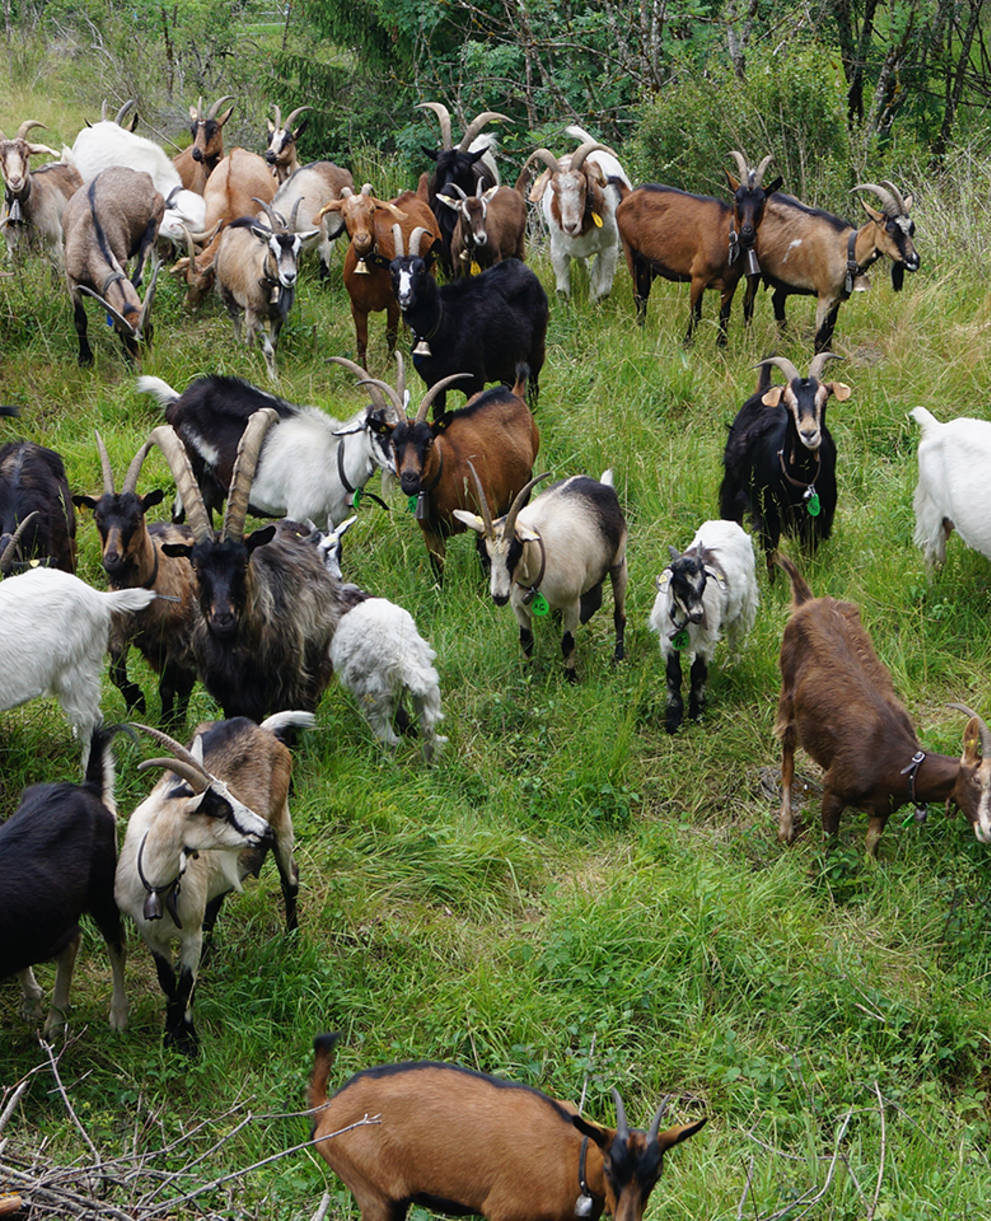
{"x":617,"y":576}
{"x":786,"y":824}
{"x":696,"y":698}
{"x":55,"y":1023}
{"x":132,"y":693}
{"x":675,"y":706}
{"x":79,"y":319}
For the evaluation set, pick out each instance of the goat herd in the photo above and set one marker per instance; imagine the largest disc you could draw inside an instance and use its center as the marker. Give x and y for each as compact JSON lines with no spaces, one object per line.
{"x":265,"y":619}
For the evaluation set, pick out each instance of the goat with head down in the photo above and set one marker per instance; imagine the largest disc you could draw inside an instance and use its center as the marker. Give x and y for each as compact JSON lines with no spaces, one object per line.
{"x":37,"y":520}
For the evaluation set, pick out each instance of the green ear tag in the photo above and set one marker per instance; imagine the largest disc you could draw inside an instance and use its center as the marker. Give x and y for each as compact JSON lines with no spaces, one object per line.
{"x":411,"y":503}
{"x":356,"y":497}
{"x":813,"y":505}
{"x":679,"y":640}
{"x":539,"y":605}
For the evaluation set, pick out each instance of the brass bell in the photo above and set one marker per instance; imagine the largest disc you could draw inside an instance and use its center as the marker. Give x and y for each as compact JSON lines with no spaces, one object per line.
{"x":361,"y":268}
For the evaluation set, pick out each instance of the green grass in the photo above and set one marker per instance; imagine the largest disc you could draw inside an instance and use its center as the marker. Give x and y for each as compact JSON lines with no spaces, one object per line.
{"x":568,"y":876}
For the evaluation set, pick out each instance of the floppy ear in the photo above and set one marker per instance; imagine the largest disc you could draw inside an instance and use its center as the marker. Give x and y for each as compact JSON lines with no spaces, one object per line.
{"x":839,"y":390}
{"x":471,"y":520}
{"x":540,"y":186}
{"x":773,"y":397}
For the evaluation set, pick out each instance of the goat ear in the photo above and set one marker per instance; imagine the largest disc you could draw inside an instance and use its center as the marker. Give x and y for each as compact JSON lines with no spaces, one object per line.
{"x":839,"y":390}
{"x":907,"y":201}
{"x":258,"y":538}
{"x":429,"y":152}
{"x":673,"y":552}
{"x":222,"y":119}
{"x":449,"y":202}
{"x":540,"y":186}
{"x":773,"y":397}
{"x":177,"y":550}
{"x":873,"y":213}
{"x":775,"y":185}
{"x":603,"y":1137}
{"x":674,"y":1136}
{"x":84,"y":502}
{"x":154,"y":497}
{"x":471,"y":520}
{"x":525,"y":534}
{"x":971,"y":743}
{"x":733,"y":182}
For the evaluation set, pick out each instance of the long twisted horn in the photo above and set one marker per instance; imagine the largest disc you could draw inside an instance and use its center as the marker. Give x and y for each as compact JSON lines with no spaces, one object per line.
{"x":444,"y":117}
{"x":8,"y":552}
{"x":245,"y":461}
{"x":518,"y":500}
{"x":432,"y":393}
{"x":483,"y":504}
{"x":105,"y":467}
{"x":888,"y":205}
{"x":984,"y":731}
{"x":476,"y":125}
{"x":622,"y":1128}
{"x":212,"y":112}
{"x":130,"y":483}
{"x":167,"y":440}
{"x":784,"y":364}
{"x":818,"y":363}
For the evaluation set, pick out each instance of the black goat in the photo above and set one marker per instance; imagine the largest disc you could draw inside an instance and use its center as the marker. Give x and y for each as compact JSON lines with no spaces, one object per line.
{"x":33,"y":481}
{"x":780,"y":460}
{"x":58,"y":853}
{"x":484,"y":326}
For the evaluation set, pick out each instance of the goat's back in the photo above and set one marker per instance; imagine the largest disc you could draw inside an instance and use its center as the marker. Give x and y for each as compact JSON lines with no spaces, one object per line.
{"x":954,"y":458}
{"x":107,"y":218}
{"x":33,"y":480}
{"x":674,"y":229}
{"x":239,"y":179}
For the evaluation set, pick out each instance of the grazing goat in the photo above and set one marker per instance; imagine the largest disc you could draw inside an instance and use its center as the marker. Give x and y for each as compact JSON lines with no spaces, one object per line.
{"x":256,"y":269}
{"x":378,"y":230}
{"x":316,"y":185}
{"x":33,"y":485}
{"x":838,"y":702}
{"x":454,"y":1139}
{"x":709,"y":589}
{"x":205,"y":826}
{"x":269,"y":607}
{"x":471,"y":163}
{"x":34,"y":200}
{"x":311,"y":465}
{"x":554,"y":554}
{"x":58,"y":852}
{"x":807,"y":251}
{"x":490,"y":227}
{"x":780,"y":459}
{"x":133,"y":558}
{"x":495,"y":430}
{"x":113,"y":219}
{"x":670,"y":233}
{"x":483,"y":327}
{"x":196,"y":163}
{"x":380,"y":657}
{"x":954,"y":458}
{"x":282,"y":154}
{"x":578,"y":195}
{"x":53,"y":642}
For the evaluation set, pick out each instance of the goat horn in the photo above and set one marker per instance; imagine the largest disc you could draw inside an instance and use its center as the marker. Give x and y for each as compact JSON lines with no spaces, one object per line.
{"x":400,"y":376}
{"x":985,"y":732}
{"x":182,"y":753}
{"x":291,"y":225}
{"x":198,"y":780}
{"x":583,"y":150}
{"x":741,"y":164}
{"x":114,"y":313}
{"x":245,"y":461}
{"x":156,"y":267}
{"x":198,"y":116}
{"x":26,"y":126}
{"x":269,"y":212}
{"x":476,"y":125}
{"x":655,"y":1123}
{"x":784,"y":364}
{"x":105,"y":467}
{"x":167,"y":440}
{"x":123,"y":111}
{"x":8,"y":552}
{"x":278,"y":115}
{"x":542,"y":154}
{"x":434,"y":390}
{"x":397,"y":241}
{"x":212,"y":112}
{"x":888,"y":205}
{"x":290,"y":119}
{"x":130,"y":483}
{"x":622,"y":1128}
{"x":483,"y":504}
{"x":415,"y":238}
{"x":518,"y":501}
{"x":762,"y":169}
{"x":903,"y":211}
{"x":444,"y":117}
{"x":375,"y":383}
{"x":818,"y":363}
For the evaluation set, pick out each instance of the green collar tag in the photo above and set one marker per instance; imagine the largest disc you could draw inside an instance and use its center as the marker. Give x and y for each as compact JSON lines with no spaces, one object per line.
{"x":411,"y":503}
{"x":679,"y":640}
{"x":812,"y":503}
{"x":539,"y":605}
{"x":356,"y":497}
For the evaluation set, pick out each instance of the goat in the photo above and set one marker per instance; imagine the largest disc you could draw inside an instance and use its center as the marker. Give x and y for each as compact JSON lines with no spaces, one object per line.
{"x":467,"y":165}
{"x":269,"y":607}
{"x":34,"y":200}
{"x":111,"y":220}
{"x":555,"y":554}
{"x":495,"y":430}
{"x":465,"y":1142}
{"x":205,"y":826}
{"x":311,"y":465}
{"x":780,"y":459}
{"x":58,"y":852}
{"x":708,"y":589}
{"x":316,"y":184}
{"x":378,"y":230}
{"x":196,"y":163}
{"x":950,"y":493}
{"x":282,"y":154}
{"x":53,"y":642}
{"x":811,"y":252}
{"x":838,"y":702}
{"x":490,"y":227}
{"x":256,"y":270}
{"x":578,"y":195}
{"x":33,"y":485}
{"x":133,"y":558}
{"x":670,"y":233}
{"x":482,"y":327}
{"x":380,"y":657}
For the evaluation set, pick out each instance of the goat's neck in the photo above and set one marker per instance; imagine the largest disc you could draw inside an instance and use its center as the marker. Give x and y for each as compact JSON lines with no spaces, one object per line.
{"x":865,"y":250}
{"x":424,"y":315}
{"x":935,"y":778}
{"x":146,"y":561}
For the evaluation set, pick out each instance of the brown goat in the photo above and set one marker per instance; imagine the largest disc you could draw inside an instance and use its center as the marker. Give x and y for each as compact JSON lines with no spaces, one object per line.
{"x":197,"y":162}
{"x":371,"y":225}
{"x":491,"y":226}
{"x":838,"y":702}
{"x":35,"y":200}
{"x":461,"y":1142}
{"x":695,"y":238}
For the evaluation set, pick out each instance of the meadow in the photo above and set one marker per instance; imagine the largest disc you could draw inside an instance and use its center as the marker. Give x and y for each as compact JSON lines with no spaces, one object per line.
{"x":570,"y":897}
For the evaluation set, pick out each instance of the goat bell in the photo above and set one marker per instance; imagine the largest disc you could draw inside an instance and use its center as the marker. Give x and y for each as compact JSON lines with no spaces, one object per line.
{"x":361,"y":268}
{"x":584,"y":1205}
{"x":422,"y":348}
{"x":753,"y":267}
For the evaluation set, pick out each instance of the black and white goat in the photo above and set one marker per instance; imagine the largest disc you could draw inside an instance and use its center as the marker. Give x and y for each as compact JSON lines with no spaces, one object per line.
{"x":780,"y":459}
{"x":311,"y":465}
{"x":709,"y":589}
{"x":954,"y":459}
{"x":58,"y":852}
{"x":33,"y":485}
{"x":555,"y":554}
{"x":205,"y":826}
{"x":380,"y":657}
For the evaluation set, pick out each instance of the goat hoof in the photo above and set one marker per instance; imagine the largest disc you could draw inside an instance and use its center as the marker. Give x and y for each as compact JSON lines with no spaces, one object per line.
{"x":184,"y":1041}
{"x":571,"y":676}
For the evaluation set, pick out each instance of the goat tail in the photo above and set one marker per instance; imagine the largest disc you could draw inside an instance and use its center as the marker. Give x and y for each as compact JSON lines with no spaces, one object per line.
{"x":100,"y":764}
{"x":279,"y":722}
{"x":606,"y":478}
{"x":159,"y":388}
{"x":323,"y":1055}
{"x":522,"y":377}
{"x":800,"y":591}
{"x":925,"y":419}
{"x":129,"y":600}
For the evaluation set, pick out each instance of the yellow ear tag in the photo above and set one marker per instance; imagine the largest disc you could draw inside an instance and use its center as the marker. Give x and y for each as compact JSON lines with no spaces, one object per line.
{"x":34,"y":563}
{"x":597,"y":220}
{"x":475,"y":269}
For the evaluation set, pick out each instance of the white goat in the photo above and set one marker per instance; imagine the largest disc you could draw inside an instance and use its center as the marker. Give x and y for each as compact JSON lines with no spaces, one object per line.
{"x":708,"y":590}
{"x":316,"y":185}
{"x":34,"y":200}
{"x":954,"y":459}
{"x":379,"y":656}
{"x":53,"y":642}
{"x":579,"y":209}
{"x":176,"y":866}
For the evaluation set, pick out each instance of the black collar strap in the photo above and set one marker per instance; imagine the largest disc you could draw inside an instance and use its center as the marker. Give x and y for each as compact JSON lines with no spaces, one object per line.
{"x":531,"y":591}
{"x":799,"y":483}
{"x":170,"y":891}
{"x":853,"y":268}
{"x":921,"y":807}
{"x":585,"y":1205}
{"x":150,"y":583}
{"x":434,"y":329}
{"x":340,"y":468}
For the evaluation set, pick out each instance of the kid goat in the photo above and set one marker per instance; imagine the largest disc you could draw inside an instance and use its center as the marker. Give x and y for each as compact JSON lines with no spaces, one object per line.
{"x":838,"y":702}
{"x":463,"y":1142}
{"x":709,"y":589}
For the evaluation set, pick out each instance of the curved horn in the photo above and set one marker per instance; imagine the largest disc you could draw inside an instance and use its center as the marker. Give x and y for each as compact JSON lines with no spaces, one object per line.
{"x":476,"y":125}
{"x":197,"y":780}
{"x":397,"y":241}
{"x":167,"y":440}
{"x":400,"y":376}
{"x":156,"y":267}
{"x":181,"y":753}
{"x":888,"y":205}
{"x":435,"y":389}
{"x":365,"y":379}
{"x":903,"y":211}
{"x":818,"y":363}
{"x":784,"y":364}
{"x":741,"y":164}
{"x":8,"y":552}
{"x":278,"y":115}
{"x":375,"y":383}
{"x":985,"y":732}
{"x":105,"y":467}
{"x":542,"y":154}
{"x":291,"y":224}
{"x":518,"y":501}
{"x":444,"y":117}
{"x":119,"y":119}
{"x":415,"y":238}
{"x":761,"y":170}
{"x":134,"y":470}
{"x":26,"y":126}
{"x":212,"y":112}
{"x":273,"y":217}
{"x":622,"y":1128}
{"x":483,"y":504}
{"x":583,"y":150}
{"x":291,"y":118}
{"x":114,"y":313}
{"x":245,"y":461}
{"x":655,"y":1123}
{"x":196,"y":112}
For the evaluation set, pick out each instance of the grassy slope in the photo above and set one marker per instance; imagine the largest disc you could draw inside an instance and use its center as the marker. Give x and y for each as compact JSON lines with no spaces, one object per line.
{"x":568,"y":872}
